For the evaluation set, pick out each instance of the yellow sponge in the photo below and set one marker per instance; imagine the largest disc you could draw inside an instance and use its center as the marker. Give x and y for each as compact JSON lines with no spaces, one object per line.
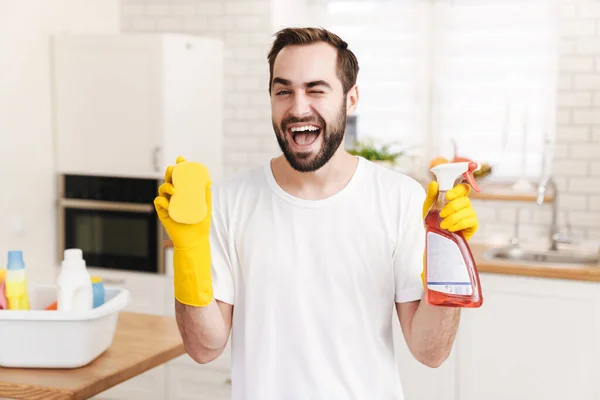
{"x":188,"y":203}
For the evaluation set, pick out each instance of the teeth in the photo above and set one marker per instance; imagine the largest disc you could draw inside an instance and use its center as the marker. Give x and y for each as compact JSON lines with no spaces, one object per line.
{"x":304,"y":128}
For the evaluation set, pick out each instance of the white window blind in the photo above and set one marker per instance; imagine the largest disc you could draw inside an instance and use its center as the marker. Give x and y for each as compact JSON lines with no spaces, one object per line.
{"x":481,"y":73}
{"x":388,"y":39}
{"x":493,"y":81}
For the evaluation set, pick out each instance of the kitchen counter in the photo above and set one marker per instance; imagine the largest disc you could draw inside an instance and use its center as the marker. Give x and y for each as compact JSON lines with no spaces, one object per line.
{"x":542,"y":270}
{"x":141,"y":342}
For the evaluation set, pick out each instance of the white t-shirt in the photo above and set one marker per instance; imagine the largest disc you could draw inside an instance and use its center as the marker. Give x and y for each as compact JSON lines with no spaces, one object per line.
{"x":313,"y":283}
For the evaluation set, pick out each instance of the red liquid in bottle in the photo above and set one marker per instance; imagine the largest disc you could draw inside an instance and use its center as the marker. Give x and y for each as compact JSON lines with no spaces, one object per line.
{"x":439,"y":297}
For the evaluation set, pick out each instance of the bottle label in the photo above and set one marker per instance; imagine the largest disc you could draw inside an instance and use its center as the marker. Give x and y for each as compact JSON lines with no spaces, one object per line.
{"x":446,"y":268}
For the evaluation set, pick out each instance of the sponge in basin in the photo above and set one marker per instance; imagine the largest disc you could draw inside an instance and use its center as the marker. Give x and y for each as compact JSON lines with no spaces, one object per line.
{"x":188,"y":203}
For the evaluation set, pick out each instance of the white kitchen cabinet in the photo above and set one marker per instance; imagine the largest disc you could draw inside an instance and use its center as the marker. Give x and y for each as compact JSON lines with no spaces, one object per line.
{"x":533,"y":338}
{"x":186,"y":379}
{"x":151,"y":385}
{"x":169,"y":262}
{"x":129,"y":104}
{"x":198,"y":382}
{"x":420,"y":382}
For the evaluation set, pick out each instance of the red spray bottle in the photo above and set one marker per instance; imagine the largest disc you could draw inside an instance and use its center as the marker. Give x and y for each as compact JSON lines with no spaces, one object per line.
{"x":451,"y":274}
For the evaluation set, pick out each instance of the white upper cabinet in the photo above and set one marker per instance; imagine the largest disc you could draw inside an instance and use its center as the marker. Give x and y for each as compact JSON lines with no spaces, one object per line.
{"x":129,"y":104}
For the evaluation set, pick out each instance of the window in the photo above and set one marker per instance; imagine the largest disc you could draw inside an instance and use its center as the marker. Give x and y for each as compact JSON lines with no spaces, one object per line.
{"x":389,"y":40}
{"x":494,"y":80}
{"x":481,"y":73}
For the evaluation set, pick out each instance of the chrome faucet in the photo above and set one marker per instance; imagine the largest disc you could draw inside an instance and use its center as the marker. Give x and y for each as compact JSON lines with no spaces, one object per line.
{"x":554,"y":236}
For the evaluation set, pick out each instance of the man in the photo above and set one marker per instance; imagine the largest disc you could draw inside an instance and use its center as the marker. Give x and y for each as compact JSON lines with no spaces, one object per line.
{"x":314,"y":251}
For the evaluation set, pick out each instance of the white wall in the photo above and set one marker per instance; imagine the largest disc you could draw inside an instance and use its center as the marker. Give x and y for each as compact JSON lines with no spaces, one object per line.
{"x":286,"y":13}
{"x":578,"y":154}
{"x":27,"y":178}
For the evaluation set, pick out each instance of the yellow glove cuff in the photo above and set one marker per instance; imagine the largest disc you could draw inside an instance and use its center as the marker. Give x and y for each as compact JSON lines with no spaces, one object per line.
{"x":193,"y":280}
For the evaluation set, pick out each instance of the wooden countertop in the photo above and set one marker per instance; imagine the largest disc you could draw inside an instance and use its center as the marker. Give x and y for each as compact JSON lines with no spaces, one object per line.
{"x":501,"y":191}
{"x":141,"y":342}
{"x":505,"y":192}
{"x":542,"y":270}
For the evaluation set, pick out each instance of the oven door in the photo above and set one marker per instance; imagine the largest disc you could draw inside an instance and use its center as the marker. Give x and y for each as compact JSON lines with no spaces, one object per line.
{"x":119,"y":236}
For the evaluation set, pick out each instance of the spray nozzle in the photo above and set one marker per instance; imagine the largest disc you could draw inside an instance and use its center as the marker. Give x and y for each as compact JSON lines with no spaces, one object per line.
{"x":448,"y":173}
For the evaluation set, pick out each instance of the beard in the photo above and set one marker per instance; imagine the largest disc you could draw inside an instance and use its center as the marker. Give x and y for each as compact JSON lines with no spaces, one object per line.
{"x":333,"y":135}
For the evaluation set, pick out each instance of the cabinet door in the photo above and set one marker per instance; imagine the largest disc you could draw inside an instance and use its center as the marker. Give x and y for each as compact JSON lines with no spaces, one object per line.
{"x":531,"y":339}
{"x":193,"y":79}
{"x":151,"y":385}
{"x":198,"y":382}
{"x":420,"y":382}
{"x":186,"y":379}
{"x":107,"y":104}
{"x":146,"y":290}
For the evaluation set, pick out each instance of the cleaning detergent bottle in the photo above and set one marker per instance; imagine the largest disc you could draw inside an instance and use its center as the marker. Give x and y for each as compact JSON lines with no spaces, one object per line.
{"x":452,"y":278}
{"x":74,"y":283}
{"x":17,"y":295}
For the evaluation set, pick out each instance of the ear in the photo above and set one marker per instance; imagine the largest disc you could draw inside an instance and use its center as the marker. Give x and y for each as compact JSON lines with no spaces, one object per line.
{"x":351,"y":100}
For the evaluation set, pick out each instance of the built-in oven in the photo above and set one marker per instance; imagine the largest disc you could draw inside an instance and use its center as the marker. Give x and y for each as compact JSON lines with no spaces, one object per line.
{"x":112,"y":220}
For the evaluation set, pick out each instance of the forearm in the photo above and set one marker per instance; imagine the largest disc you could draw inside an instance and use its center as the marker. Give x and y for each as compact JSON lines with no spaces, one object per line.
{"x":204,"y":330}
{"x":432,"y":333}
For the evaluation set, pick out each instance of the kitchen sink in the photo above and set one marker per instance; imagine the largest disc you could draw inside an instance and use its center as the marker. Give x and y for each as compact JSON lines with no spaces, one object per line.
{"x":542,"y":256}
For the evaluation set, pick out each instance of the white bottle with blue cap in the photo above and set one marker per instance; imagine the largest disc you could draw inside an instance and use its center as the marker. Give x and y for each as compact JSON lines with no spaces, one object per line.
{"x":74,"y":283}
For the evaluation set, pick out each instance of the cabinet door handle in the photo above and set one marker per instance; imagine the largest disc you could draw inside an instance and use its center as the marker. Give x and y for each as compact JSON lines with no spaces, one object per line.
{"x":114,"y":281}
{"x":228,"y":381}
{"x":155,"y":160}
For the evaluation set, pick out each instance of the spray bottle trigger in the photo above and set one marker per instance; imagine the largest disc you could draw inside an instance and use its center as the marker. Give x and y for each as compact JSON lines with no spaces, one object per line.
{"x":470,"y":178}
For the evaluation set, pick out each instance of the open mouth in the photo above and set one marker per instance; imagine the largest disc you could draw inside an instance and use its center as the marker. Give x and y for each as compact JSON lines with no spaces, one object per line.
{"x":305,"y":135}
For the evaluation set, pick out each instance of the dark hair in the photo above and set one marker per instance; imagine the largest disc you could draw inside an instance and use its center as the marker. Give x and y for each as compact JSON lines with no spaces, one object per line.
{"x":347,"y":64}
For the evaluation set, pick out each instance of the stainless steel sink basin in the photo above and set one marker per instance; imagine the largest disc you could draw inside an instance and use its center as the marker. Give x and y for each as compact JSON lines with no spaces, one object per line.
{"x":548,"y":256}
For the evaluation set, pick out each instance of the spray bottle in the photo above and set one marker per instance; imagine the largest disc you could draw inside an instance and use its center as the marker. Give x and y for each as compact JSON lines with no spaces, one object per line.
{"x":452,"y":278}
{"x":16,"y":282}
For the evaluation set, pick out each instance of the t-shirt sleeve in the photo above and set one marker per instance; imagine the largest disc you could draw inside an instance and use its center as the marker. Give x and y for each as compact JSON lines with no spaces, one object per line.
{"x":221,"y":265}
{"x":408,"y":255}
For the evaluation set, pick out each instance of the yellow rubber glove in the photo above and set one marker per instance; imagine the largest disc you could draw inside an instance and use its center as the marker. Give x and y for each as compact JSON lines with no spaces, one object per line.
{"x":191,"y":247}
{"x":458,"y":213}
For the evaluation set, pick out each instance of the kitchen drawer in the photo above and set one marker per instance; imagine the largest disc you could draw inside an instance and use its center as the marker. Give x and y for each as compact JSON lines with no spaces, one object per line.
{"x":151,"y":385}
{"x":197,"y":382}
{"x":147,"y":290}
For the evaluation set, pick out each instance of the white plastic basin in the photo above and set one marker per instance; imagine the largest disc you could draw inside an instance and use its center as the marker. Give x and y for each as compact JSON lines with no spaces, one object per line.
{"x":53,"y":339}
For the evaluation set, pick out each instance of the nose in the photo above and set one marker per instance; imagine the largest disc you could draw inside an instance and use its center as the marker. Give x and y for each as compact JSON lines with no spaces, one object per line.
{"x":300,"y":106}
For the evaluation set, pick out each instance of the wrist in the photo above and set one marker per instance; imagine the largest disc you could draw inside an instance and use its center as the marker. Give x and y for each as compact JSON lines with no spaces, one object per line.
{"x":190,"y":244}
{"x":192,"y":274}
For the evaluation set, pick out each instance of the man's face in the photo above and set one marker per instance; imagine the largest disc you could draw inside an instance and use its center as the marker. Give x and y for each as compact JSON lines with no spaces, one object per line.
{"x":308,"y":106}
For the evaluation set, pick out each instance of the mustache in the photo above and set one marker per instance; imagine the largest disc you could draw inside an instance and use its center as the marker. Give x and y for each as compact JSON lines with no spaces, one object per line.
{"x":317,"y":120}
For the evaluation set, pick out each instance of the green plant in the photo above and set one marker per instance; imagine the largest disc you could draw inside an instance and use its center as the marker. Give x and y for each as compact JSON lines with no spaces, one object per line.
{"x":374,"y":152}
